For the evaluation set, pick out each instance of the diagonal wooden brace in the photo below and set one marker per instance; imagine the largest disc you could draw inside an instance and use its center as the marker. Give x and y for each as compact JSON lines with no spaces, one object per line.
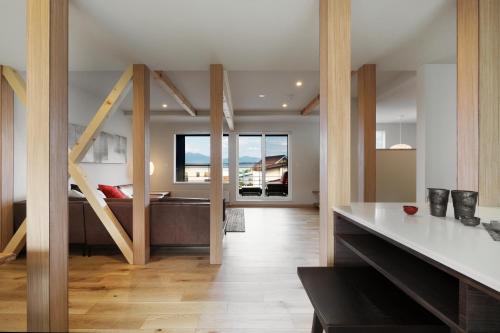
{"x":116,"y":231}
{"x":103,"y":211}
{"x":107,"y":108}
{"x":18,"y":241}
{"x":16,"y":82}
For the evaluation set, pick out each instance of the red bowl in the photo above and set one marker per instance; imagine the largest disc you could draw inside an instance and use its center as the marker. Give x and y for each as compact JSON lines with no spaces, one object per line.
{"x":410,"y":210}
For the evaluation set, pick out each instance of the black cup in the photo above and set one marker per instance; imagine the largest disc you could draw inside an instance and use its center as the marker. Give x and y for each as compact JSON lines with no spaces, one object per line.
{"x":438,"y":201}
{"x":464,"y":203}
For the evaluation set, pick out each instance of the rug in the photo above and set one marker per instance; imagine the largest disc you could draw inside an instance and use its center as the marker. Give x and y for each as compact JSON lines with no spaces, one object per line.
{"x":235,"y":220}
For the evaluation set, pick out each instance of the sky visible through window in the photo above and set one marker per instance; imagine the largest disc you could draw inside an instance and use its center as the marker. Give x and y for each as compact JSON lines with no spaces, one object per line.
{"x":198,"y":149}
{"x":277,"y":145}
{"x":250,"y":146}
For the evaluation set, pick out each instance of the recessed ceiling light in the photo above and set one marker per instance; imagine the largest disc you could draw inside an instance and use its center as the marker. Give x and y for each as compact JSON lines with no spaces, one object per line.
{"x":164,"y":106}
{"x":284,"y":105}
{"x":262,"y":95}
{"x":298,"y":83}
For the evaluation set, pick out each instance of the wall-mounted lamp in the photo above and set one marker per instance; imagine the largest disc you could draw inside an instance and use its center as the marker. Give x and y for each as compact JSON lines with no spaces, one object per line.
{"x":151,"y":168}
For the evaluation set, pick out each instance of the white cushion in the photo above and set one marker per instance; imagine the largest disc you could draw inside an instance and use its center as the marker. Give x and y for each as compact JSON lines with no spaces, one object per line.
{"x":75,"y":194}
{"x":126,"y":191}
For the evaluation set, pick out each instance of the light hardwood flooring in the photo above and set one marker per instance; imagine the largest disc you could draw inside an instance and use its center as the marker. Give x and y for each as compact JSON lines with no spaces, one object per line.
{"x":256,"y":290}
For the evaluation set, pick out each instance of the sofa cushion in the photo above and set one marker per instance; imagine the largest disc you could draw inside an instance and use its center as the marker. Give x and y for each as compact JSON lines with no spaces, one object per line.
{"x":111,"y":192}
{"x":95,"y":231}
{"x":76,"y":228}
{"x":180,"y":223}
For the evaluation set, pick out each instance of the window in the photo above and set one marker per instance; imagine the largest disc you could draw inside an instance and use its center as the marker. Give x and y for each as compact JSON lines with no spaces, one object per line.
{"x":380,"y":140}
{"x":263,"y":165}
{"x":192,"y":158}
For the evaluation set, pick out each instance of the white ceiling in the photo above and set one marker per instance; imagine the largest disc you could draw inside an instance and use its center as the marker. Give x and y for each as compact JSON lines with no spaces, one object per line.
{"x":277,"y":86}
{"x":397,"y":97}
{"x":265,"y":44}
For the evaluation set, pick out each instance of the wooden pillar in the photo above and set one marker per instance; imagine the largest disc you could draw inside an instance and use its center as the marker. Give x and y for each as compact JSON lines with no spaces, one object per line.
{"x":367,"y":122}
{"x":140,"y":115}
{"x":489,"y":103}
{"x":335,"y":116}
{"x":47,"y":165}
{"x":6,"y":160}
{"x":468,"y":94}
{"x":216,"y":189}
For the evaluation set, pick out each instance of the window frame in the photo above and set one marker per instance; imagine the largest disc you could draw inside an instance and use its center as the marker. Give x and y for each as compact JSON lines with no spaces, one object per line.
{"x":174,"y":166}
{"x":263,"y":197}
{"x":384,"y":139}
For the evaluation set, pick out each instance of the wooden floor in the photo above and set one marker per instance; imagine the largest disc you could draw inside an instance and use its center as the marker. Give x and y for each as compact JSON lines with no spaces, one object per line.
{"x":256,"y":290}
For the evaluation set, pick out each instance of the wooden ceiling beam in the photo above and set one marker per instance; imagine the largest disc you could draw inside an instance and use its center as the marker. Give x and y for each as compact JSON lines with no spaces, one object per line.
{"x":228,"y":103}
{"x":162,"y":78}
{"x":310,"y":106}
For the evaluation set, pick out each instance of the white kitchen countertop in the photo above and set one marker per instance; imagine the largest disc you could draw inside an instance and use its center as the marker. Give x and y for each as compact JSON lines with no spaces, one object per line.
{"x":468,"y":250}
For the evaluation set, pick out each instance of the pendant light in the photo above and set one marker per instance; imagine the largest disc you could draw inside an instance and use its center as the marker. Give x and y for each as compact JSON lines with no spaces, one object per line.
{"x":401,"y":145}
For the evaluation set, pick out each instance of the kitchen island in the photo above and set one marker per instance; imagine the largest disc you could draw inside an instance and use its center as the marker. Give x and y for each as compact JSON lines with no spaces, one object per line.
{"x":451,"y":270}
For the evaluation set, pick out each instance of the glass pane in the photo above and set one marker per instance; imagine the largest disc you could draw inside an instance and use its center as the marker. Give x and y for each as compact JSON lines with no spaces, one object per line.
{"x":197,"y":159}
{"x":225,"y":159}
{"x":193,"y":158}
{"x":276,"y":165}
{"x":380,"y":140}
{"x":250,"y":165}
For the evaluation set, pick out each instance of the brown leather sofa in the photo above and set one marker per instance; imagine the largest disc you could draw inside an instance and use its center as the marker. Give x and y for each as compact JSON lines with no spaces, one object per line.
{"x":173,"y":221}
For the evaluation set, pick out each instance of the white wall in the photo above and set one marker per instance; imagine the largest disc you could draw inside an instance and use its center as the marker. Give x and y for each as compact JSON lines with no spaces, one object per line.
{"x":408,"y":133}
{"x":436,"y":128}
{"x":304,"y":157}
{"x":82,"y":107}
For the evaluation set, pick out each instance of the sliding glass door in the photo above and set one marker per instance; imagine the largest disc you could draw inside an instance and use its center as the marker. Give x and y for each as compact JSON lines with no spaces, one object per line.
{"x":263,"y":166}
{"x":276,"y":166}
{"x":250,"y":165}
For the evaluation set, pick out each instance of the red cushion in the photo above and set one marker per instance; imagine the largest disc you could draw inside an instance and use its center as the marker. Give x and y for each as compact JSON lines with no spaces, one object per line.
{"x":111,"y":192}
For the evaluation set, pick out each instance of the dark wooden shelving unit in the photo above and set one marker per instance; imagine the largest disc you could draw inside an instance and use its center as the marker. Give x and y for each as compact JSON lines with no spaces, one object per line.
{"x":433,"y":289}
{"x":463,"y":304}
{"x":359,"y":299}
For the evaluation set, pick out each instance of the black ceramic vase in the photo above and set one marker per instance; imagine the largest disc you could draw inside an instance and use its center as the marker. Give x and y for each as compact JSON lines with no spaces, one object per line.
{"x":464,"y":203}
{"x":438,"y":201}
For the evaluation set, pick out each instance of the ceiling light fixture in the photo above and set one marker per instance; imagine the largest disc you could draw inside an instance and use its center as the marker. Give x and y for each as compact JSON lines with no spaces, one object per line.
{"x":284,"y":105}
{"x":298,"y":83}
{"x":164,"y":106}
{"x":262,"y":95}
{"x":401,"y":145}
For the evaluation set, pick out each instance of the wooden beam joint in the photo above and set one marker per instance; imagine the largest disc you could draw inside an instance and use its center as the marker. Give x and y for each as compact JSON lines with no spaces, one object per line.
{"x":166,"y":84}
